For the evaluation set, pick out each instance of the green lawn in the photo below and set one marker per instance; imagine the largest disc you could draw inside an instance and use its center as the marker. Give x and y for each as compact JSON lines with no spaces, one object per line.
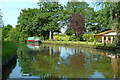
{"x":74,"y":42}
{"x":8,"y":50}
{"x":98,"y":44}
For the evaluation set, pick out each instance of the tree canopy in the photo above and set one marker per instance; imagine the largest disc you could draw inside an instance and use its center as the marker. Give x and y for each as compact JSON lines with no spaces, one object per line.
{"x":77,"y":23}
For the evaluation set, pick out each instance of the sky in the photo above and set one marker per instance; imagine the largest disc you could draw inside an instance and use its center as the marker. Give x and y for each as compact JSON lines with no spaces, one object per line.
{"x":11,"y":9}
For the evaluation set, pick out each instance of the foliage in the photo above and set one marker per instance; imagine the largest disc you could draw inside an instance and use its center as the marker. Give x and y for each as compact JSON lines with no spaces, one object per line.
{"x":5,"y":31}
{"x":48,"y":18}
{"x":111,"y":45}
{"x":57,"y":38}
{"x":13,"y":35}
{"x":41,"y":38}
{"x":77,"y":23}
{"x":83,"y":8}
{"x":110,"y":16}
{"x":80,"y":38}
{"x":66,"y":38}
{"x":89,"y":37}
{"x":7,"y":50}
{"x":69,"y":32}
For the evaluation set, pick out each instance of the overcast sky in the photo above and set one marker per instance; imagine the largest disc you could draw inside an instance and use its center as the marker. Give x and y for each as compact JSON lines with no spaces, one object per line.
{"x":11,"y":9}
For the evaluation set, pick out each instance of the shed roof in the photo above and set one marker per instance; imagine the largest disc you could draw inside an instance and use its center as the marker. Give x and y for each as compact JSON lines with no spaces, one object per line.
{"x":105,"y":32}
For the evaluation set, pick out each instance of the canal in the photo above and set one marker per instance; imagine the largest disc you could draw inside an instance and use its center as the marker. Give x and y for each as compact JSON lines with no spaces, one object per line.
{"x":57,"y":61}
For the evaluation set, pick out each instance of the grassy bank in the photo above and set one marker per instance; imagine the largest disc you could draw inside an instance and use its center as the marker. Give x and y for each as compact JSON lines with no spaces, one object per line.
{"x":8,"y":50}
{"x":97,"y":45}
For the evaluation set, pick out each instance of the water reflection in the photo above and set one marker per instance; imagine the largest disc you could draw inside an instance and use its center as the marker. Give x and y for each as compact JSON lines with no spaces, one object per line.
{"x":55,"y":61}
{"x":8,"y":69}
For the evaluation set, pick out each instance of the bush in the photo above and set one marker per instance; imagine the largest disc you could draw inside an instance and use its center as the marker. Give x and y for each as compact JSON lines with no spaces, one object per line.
{"x":66,"y":38}
{"x":110,"y":45}
{"x":89,"y":37}
{"x":41,"y":38}
{"x":69,"y":32}
{"x":57,"y":38}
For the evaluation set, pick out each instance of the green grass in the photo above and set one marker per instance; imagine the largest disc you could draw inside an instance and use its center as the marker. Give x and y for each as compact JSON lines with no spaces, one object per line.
{"x":74,"y":42}
{"x":89,"y":44}
{"x":8,"y":50}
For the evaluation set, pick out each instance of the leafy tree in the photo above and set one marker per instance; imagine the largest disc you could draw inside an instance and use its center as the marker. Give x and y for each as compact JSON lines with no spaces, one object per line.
{"x":84,"y":9}
{"x":77,"y":24}
{"x":56,"y":17}
{"x":13,"y":35}
{"x":5,"y":31}
{"x":48,"y":18}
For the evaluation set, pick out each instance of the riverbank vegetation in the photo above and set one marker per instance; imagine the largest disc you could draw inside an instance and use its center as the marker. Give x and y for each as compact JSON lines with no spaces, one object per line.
{"x":8,"y":50}
{"x":97,"y":45}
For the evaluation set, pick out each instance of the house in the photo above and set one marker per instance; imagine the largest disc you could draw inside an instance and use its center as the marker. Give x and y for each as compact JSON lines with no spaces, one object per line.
{"x":107,"y":36}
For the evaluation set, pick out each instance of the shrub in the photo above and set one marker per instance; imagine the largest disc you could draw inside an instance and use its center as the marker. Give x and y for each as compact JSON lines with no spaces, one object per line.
{"x":41,"y":38}
{"x":69,"y":32}
{"x":110,"y":45}
{"x":66,"y":38}
{"x":85,"y":36}
{"x":57,"y":38}
{"x":70,"y":38}
{"x":81,"y":38}
{"x":89,"y":37}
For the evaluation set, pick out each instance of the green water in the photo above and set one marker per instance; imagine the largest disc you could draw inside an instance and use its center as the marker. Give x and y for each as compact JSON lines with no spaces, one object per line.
{"x":55,"y":61}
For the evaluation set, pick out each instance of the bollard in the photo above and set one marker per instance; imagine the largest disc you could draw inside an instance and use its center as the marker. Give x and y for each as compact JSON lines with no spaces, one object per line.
{"x":94,"y":43}
{"x":86,"y":42}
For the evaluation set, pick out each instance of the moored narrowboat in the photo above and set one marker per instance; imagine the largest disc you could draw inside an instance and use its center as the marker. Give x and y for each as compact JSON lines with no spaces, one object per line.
{"x":33,"y":39}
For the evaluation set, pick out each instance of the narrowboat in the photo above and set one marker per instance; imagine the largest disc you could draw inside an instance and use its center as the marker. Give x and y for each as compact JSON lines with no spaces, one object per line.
{"x":33,"y":39}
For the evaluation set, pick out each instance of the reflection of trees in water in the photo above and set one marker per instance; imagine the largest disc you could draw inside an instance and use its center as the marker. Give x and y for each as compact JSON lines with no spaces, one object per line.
{"x":79,"y":64}
{"x":8,"y":69}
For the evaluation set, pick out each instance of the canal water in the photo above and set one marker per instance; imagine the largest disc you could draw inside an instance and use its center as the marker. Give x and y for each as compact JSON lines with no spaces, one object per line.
{"x":57,"y":61}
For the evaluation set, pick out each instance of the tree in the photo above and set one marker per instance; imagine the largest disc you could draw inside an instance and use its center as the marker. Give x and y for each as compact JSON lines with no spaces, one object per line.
{"x":82,"y":8}
{"x":55,"y":12}
{"x":48,"y":18}
{"x":5,"y":31}
{"x":77,"y":24}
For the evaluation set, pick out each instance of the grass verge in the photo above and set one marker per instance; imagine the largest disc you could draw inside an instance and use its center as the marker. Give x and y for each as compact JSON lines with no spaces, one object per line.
{"x":8,"y":50}
{"x":108,"y":46}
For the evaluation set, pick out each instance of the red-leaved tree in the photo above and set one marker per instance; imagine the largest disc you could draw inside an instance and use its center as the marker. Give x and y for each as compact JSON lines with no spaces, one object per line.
{"x":77,"y":23}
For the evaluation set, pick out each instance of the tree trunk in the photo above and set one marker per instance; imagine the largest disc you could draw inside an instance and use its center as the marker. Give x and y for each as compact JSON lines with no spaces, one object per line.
{"x":50,"y":35}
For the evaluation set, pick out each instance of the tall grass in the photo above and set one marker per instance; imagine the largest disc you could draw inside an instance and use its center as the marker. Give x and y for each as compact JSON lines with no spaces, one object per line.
{"x":8,"y":50}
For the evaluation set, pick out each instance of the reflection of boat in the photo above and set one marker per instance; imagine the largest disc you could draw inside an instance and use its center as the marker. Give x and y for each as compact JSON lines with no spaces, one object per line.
{"x":34,"y":47}
{"x":33,"y":39}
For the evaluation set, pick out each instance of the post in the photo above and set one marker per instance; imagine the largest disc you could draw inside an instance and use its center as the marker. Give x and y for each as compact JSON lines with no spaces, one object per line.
{"x":106,"y":39}
{"x":103,"y":39}
{"x":111,"y":40}
{"x":50,"y":36}
{"x":95,"y":43}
